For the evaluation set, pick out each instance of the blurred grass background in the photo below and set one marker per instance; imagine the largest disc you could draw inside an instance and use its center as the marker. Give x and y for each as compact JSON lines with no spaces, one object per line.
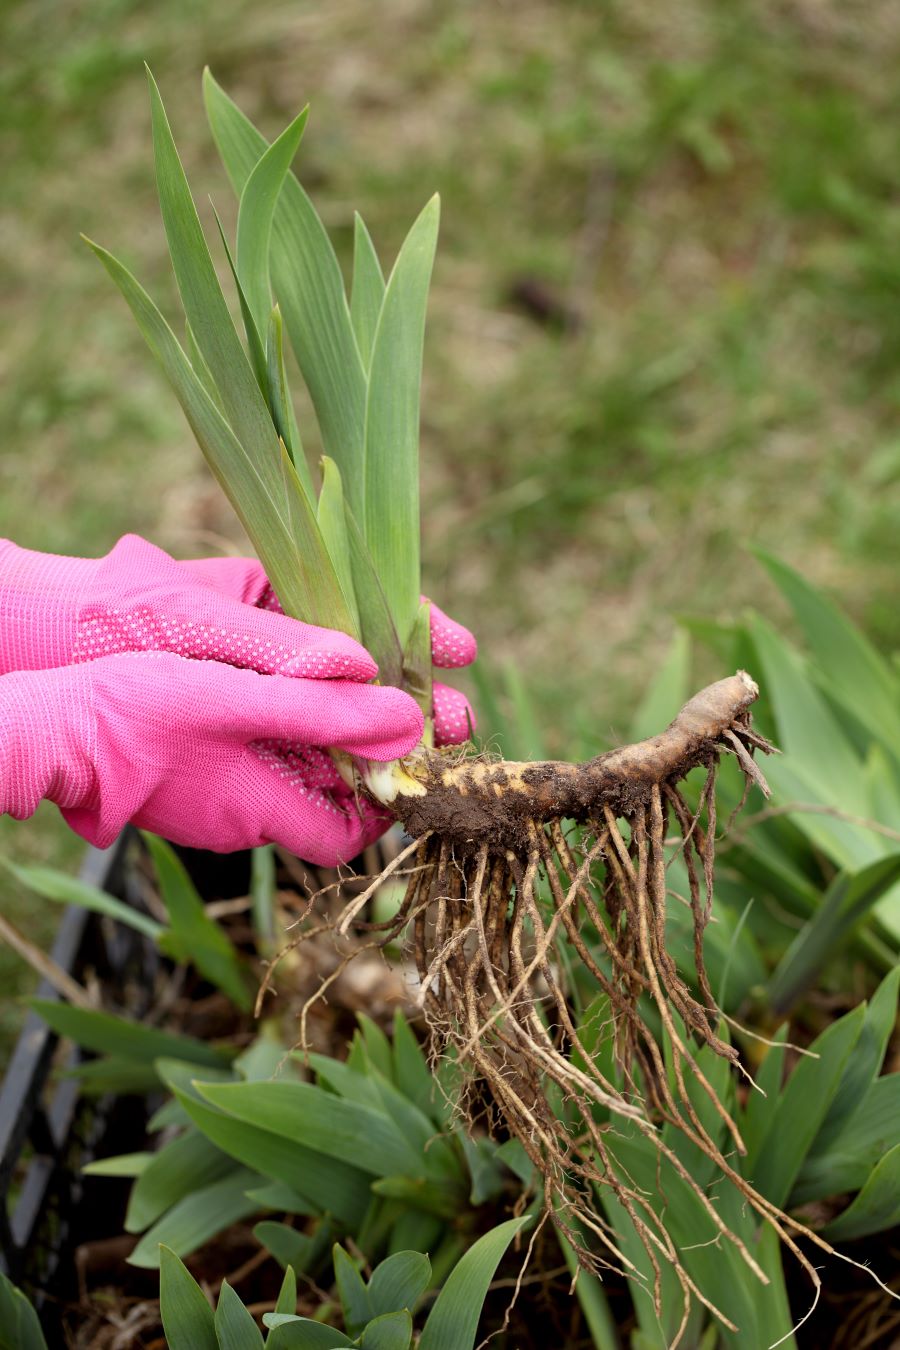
{"x":665,"y":319}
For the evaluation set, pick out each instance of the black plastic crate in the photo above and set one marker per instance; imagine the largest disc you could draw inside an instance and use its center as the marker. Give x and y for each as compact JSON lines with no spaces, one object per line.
{"x":47,"y":1132}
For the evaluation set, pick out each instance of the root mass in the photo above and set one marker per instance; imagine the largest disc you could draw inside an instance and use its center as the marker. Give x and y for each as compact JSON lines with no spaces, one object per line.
{"x":518,"y":870}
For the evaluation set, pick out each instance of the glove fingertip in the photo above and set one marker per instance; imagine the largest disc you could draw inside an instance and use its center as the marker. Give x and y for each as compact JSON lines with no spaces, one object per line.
{"x":452,"y":645}
{"x":397,"y":724}
{"x":454,"y":719}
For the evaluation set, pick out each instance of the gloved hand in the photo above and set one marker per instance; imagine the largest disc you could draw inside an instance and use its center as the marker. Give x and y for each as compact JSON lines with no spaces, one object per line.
{"x":161,"y":694}
{"x":59,"y":611}
{"x":201,"y":752}
{"x":452,"y":646}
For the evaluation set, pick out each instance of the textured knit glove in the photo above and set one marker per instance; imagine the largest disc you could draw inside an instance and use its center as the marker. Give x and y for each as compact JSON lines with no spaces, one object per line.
{"x":59,"y":611}
{"x":178,"y":696}
{"x":201,"y":752}
{"x":452,"y":645}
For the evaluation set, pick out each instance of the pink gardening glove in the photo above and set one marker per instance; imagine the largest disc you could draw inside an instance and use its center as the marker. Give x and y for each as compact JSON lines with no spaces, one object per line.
{"x":219,"y":750}
{"x":57,"y":611}
{"x":452,"y":645}
{"x":201,"y":752}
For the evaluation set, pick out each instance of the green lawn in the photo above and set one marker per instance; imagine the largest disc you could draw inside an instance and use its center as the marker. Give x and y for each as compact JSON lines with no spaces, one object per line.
{"x":711,"y":189}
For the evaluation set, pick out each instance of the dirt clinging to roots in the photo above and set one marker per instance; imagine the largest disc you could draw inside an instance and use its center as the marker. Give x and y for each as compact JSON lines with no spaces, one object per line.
{"x":511,"y":867}
{"x":494,"y":802}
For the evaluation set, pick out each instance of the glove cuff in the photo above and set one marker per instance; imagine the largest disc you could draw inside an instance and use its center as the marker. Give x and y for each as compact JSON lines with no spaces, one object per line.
{"x":45,"y":739}
{"x":40,"y":595}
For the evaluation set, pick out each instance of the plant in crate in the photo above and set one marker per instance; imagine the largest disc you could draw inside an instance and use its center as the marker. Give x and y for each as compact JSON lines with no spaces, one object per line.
{"x":377,"y":1313}
{"x":257,"y":1135}
{"x":286,"y":1151}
